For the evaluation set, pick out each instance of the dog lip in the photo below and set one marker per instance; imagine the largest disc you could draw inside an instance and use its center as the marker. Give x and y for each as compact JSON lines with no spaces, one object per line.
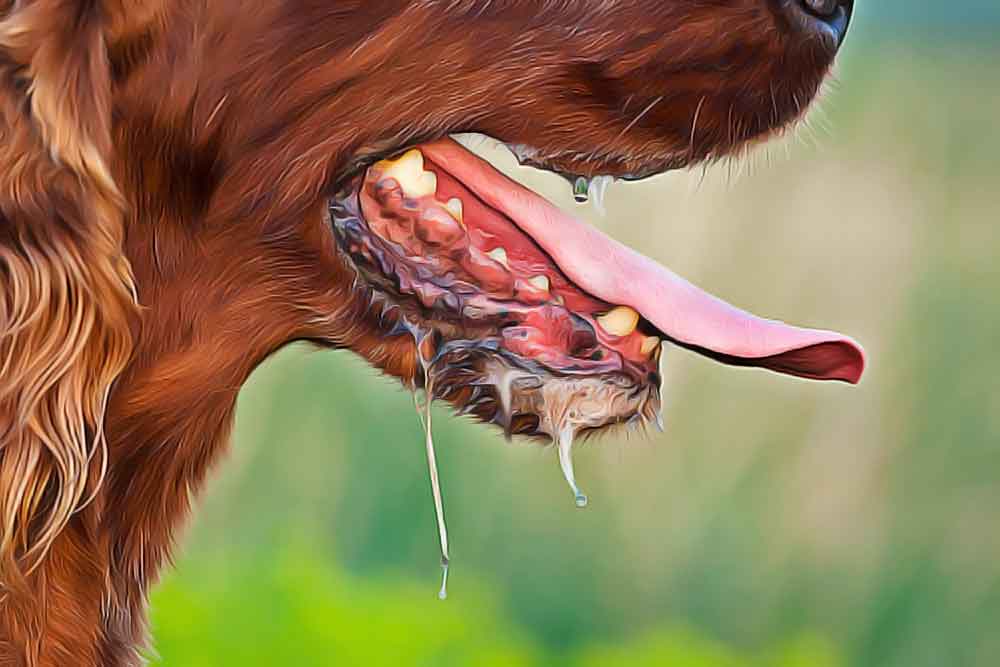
{"x":542,"y":164}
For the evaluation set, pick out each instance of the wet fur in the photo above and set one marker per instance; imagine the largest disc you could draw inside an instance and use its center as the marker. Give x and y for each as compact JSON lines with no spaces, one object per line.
{"x":165,"y":167}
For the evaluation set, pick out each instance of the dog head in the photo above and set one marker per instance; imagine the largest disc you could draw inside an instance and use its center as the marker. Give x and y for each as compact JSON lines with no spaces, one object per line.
{"x":190,"y":185}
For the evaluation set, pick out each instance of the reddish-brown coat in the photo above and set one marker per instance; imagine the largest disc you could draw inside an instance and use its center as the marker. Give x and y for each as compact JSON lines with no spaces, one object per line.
{"x":183,"y":150}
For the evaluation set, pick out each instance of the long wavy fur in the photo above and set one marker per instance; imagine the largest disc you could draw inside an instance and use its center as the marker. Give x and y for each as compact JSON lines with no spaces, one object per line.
{"x":66,"y":292}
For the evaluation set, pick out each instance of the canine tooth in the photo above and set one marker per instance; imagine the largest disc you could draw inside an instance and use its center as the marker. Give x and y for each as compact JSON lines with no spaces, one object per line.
{"x":411,"y":162}
{"x":454,"y":206}
{"x":411,"y":159}
{"x":498,"y":254}
{"x":620,"y":321}
{"x":408,"y":170}
{"x":540,"y":283}
{"x":649,"y":345}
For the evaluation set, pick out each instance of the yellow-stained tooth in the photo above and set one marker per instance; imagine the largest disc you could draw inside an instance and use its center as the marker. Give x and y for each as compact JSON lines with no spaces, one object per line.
{"x":410,"y":163}
{"x":454,"y":206}
{"x":619,"y":321}
{"x":540,"y":283}
{"x":498,"y":255}
{"x":649,"y":345}
{"x":408,"y":171}
{"x":427,"y":184}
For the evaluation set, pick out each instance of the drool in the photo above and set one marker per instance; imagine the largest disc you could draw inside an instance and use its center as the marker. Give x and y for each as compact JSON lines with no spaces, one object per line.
{"x":498,"y":329}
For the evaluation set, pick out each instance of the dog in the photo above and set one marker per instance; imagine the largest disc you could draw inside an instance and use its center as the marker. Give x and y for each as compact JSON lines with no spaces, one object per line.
{"x":190,"y":185}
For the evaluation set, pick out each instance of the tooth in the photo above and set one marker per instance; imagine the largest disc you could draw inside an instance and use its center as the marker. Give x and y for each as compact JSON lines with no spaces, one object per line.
{"x":412,"y":160}
{"x":498,"y":255}
{"x":408,"y":170}
{"x":581,"y":189}
{"x":540,"y":283}
{"x":428,"y":183}
{"x":620,"y":321}
{"x":649,"y":345}
{"x":454,"y":206}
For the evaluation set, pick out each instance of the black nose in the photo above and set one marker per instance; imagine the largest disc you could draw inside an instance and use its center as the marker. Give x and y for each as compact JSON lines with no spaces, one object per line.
{"x":827,"y":20}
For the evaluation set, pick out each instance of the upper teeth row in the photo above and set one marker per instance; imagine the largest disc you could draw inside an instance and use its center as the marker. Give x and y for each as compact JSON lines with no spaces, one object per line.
{"x":408,"y":170}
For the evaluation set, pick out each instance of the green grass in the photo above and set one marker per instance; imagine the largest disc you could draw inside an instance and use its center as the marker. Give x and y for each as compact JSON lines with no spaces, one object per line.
{"x":316,"y":615}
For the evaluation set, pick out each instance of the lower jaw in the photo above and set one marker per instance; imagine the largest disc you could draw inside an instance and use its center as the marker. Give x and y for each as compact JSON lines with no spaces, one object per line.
{"x":467,"y":362}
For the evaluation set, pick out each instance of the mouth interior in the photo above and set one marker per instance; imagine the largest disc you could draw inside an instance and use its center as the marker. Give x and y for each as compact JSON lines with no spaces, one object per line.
{"x":461,"y":257}
{"x":499,"y":328}
{"x":477,"y":259}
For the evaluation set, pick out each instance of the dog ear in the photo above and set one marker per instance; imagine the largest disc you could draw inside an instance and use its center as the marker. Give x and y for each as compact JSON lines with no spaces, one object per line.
{"x":66,"y":293}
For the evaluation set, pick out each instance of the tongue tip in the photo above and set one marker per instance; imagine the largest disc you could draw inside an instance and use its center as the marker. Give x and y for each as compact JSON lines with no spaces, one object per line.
{"x":855,"y":362}
{"x":840,"y":359}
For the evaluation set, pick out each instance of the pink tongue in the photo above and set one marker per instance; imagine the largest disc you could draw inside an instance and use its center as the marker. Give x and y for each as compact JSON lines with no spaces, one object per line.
{"x":617,"y":274}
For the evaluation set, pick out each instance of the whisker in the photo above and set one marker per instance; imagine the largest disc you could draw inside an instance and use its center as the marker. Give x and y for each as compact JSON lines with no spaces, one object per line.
{"x":694,"y":126}
{"x":649,"y":107}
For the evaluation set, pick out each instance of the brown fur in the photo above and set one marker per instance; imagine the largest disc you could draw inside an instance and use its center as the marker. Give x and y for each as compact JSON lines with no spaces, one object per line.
{"x":165,"y":168}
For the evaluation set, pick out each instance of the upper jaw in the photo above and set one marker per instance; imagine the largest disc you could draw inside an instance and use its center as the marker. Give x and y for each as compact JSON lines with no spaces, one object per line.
{"x":570,"y":164}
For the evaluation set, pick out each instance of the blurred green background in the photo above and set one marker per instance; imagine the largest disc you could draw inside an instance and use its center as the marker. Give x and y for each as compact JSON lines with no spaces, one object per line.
{"x":776,"y":523}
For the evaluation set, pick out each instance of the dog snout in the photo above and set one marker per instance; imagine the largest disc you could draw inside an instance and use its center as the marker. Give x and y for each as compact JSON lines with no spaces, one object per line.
{"x":825,"y":20}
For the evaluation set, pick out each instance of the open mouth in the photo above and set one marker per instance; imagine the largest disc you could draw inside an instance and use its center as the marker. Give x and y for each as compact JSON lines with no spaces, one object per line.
{"x":530,"y":318}
{"x":526,"y":317}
